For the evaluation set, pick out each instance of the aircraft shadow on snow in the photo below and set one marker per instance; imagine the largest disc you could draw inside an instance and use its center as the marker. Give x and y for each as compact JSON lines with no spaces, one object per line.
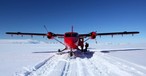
{"x":77,"y":53}
{"x":45,"y":52}
{"x":109,"y":51}
{"x":87,"y":54}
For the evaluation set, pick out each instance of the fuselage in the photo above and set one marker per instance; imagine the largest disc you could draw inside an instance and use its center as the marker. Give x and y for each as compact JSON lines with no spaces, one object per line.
{"x":71,"y":40}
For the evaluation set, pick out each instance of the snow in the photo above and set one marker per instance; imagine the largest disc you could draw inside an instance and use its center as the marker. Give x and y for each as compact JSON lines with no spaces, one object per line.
{"x":20,"y":41}
{"x":17,"y":58}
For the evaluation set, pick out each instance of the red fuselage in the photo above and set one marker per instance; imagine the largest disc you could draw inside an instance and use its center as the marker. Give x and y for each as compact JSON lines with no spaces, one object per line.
{"x":71,"y":40}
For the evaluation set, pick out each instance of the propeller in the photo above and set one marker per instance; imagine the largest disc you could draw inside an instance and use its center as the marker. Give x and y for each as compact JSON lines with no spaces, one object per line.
{"x":45,"y":28}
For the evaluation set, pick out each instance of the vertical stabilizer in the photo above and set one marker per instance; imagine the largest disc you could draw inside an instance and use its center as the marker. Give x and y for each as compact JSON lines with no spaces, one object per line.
{"x":72,"y":28}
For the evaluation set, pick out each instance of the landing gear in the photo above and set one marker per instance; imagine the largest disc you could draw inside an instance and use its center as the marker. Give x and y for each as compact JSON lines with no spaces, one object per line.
{"x":59,"y":50}
{"x":62,"y":50}
{"x":71,"y":54}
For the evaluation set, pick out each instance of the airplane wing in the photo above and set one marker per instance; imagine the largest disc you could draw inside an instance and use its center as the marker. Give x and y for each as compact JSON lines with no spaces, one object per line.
{"x":35,"y":34}
{"x":108,"y":34}
{"x":19,"y":33}
{"x":118,"y":33}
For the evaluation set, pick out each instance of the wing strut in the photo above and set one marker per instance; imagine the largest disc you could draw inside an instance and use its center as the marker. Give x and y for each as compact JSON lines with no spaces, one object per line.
{"x":60,"y":42}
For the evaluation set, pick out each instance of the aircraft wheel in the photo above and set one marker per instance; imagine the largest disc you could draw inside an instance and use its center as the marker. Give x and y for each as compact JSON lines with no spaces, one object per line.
{"x":71,"y":53}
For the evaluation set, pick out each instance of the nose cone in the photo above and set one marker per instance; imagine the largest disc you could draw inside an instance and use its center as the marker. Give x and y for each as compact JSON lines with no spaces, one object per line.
{"x":71,"y":42}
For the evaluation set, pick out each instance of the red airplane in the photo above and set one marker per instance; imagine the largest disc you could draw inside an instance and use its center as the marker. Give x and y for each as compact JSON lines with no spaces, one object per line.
{"x":72,"y":40}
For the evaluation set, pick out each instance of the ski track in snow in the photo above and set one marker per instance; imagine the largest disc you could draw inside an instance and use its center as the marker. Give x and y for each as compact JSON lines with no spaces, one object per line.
{"x":99,"y":64}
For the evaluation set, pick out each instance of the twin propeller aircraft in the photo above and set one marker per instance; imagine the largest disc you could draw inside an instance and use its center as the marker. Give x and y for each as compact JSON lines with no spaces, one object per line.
{"x":74,"y":40}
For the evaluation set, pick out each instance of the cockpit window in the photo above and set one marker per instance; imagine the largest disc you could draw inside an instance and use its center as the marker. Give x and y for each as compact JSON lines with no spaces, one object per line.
{"x":71,"y":34}
{"x":67,"y":35}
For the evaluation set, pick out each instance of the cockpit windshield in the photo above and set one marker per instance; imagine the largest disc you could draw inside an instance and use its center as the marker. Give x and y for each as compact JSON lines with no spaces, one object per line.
{"x":71,"y":35}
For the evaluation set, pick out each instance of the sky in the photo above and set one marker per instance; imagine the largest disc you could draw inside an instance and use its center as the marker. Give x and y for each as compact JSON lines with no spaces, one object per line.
{"x":85,"y":15}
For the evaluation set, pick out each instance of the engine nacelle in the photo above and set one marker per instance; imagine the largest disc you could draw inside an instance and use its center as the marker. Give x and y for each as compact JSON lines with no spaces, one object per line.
{"x":93,"y":35}
{"x":50,"y":35}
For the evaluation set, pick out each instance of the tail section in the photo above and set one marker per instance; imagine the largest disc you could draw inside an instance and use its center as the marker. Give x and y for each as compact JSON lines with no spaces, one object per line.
{"x":72,"y":29}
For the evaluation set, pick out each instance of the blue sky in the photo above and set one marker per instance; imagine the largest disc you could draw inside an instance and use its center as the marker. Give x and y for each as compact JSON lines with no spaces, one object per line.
{"x":84,"y":15}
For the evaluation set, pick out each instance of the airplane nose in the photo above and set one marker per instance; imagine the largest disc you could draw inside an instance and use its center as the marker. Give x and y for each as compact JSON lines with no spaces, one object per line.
{"x":70,"y":42}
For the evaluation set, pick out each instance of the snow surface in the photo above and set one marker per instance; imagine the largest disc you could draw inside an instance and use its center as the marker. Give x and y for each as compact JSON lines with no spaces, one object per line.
{"x":17,"y":58}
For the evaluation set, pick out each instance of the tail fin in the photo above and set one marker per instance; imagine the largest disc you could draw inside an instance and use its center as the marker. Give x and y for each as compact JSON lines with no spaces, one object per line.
{"x":72,"y":28}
